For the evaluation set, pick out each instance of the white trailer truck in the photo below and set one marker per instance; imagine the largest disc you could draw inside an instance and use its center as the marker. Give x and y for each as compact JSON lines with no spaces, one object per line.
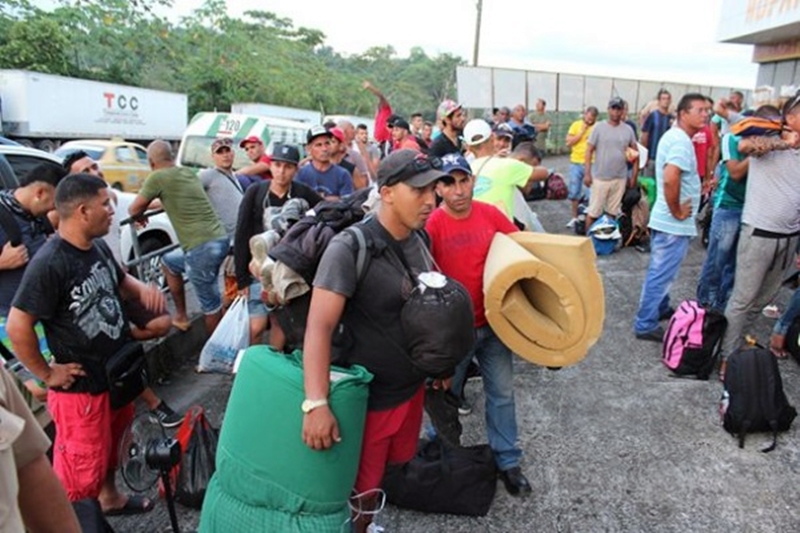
{"x":44,"y":110}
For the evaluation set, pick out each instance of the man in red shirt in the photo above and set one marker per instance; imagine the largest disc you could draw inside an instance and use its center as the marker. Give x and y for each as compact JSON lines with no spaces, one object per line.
{"x":461,"y":231}
{"x":257,"y":153}
{"x":706,"y":149}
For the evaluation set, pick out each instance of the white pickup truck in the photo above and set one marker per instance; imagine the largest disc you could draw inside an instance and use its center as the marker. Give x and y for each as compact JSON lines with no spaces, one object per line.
{"x":16,"y":161}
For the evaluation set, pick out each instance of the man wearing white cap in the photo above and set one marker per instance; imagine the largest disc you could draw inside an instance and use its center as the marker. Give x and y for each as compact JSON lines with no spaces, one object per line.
{"x":497,"y":178}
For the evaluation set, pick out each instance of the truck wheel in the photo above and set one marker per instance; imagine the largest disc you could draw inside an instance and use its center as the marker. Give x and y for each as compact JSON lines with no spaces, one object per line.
{"x":47,"y":145}
{"x":27,"y":143}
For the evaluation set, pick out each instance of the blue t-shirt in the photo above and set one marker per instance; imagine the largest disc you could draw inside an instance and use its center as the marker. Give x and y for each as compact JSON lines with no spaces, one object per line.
{"x":656,"y":126}
{"x":676,"y":149}
{"x":335,"y":181}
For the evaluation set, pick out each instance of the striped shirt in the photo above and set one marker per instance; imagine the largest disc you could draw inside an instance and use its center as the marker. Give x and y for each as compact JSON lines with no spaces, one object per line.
{"x":676,"y":149}
{"x":772,"y":201}
{"x":656,"y":126}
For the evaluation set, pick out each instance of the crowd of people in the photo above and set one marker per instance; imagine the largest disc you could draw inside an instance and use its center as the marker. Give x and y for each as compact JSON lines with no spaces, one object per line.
{"x":442,"y":190}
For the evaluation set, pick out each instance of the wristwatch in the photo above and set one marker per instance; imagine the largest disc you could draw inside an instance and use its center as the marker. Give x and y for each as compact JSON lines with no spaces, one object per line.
{"x":309,"y":405}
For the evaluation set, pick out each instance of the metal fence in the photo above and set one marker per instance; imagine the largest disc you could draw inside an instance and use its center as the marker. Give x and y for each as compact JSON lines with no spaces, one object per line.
{"x":482,"y":88}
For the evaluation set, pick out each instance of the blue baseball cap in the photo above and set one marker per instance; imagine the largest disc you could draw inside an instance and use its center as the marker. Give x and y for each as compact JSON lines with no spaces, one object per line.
{"x":451,"y":162}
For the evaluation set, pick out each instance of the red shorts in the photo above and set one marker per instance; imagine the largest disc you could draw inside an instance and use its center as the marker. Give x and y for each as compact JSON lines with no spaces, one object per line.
{"x":390,"y":436}
{"x":87,"y":440}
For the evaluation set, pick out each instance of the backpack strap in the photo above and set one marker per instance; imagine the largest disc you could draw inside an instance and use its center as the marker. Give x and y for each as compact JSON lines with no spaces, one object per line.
{"x":361,"y":251}
{"x":10,"y":226}
{"x":773,"y":425}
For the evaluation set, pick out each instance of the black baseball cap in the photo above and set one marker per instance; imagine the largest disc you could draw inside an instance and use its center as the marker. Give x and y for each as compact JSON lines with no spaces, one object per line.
{"x":286,"y":153}
{"x":410,"y":167}
{"x":616,"y":102}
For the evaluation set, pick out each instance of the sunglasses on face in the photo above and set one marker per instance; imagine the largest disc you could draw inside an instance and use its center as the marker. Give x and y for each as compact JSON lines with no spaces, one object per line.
{"x":421,"y":163}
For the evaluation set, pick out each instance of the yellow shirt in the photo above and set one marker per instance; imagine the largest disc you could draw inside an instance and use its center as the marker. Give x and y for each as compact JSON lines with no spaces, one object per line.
{"x":578,"y":155}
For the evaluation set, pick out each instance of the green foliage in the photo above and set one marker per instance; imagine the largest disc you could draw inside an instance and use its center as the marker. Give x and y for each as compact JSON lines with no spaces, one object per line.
{"x":216,"y":59}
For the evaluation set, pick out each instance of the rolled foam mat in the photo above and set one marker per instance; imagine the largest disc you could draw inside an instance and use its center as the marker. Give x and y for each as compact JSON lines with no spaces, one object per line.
{"x":543,"y":296}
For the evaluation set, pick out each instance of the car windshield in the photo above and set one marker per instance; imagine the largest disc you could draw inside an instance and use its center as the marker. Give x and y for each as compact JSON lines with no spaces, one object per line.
{"x":95,"y":153}
{"x":197,"y":153}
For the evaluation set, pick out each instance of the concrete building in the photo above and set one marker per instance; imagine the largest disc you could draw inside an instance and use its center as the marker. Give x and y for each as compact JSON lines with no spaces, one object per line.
{"x":773,"y":27}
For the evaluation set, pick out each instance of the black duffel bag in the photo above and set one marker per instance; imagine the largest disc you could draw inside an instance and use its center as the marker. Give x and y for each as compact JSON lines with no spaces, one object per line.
{"x":440,"y":479}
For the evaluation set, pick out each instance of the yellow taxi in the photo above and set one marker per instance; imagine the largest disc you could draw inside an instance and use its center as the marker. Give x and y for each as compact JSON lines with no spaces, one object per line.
{"x":124,"y":164}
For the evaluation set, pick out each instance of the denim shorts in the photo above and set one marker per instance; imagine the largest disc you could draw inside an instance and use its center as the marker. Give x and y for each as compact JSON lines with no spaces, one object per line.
{"x":255,"y":305}
{"x":201,"y":264}
{"x":575,"y":188}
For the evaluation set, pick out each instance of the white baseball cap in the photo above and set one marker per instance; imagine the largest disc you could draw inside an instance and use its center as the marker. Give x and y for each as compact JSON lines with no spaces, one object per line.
{"x":477,"y":131}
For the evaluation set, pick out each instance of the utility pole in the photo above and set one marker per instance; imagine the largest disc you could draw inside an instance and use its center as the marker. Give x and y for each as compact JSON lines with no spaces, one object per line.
{"x":477,"y":35}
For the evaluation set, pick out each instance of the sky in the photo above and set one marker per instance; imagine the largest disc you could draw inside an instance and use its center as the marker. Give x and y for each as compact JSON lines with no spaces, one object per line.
{"x":639,"y":39}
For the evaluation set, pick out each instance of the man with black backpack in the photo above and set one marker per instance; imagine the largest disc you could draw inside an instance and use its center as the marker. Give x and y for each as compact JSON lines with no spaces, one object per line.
{"x":367,"y":306}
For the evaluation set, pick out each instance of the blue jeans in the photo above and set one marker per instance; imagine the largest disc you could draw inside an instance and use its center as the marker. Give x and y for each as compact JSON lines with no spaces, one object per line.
{"x":575,"y":188}
{"x":788,"y":316}
{"x":716,"y":279}
{"x":201,"y":264}
{"x":497,"y":369}
{"x":667,"y":252}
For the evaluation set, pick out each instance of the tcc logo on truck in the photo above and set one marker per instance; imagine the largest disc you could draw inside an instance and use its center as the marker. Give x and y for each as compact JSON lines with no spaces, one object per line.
{"x":121,"y":101}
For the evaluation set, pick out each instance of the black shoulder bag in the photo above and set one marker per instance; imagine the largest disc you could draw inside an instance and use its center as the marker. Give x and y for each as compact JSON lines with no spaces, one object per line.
{"x":126,"y":369}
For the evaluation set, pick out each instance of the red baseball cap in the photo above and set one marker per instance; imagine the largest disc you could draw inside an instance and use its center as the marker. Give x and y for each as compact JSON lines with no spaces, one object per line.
{"x":251,"y":139}
{"x":338,"y":133}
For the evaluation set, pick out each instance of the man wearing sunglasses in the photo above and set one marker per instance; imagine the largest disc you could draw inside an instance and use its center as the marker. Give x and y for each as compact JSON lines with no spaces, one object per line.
{"x":368,"y":306}
{"x":770,"y":224}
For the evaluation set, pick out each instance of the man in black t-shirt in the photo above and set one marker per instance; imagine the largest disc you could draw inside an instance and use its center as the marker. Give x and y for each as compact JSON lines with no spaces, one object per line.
{"x":452,"y":118}
{"x":257,"y":199}
{"x":369,"y":307}
{"x":74,"y":287}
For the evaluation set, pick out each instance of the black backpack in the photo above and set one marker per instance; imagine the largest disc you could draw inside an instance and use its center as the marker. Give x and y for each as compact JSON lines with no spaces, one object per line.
{"x":753,"y":400}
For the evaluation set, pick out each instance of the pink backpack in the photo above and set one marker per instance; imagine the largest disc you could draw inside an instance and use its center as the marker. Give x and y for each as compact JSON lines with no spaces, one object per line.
{"x":693,"y":340}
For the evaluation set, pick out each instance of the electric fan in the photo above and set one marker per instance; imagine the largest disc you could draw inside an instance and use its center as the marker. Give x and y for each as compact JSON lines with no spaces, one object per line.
{"x":145,"y":453}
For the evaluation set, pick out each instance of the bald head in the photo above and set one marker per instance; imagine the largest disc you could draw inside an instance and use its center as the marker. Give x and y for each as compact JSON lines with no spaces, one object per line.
{"x":159,"y":154}
{"x":348,"y":129}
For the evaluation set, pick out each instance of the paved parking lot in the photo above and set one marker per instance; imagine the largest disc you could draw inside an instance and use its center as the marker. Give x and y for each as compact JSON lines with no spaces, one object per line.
{"x":613,"y":443}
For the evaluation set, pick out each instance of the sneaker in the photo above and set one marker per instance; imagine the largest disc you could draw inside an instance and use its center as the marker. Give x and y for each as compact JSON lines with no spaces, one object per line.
{"x":167,"y":417}
{"x":571,"y":223}
{"x":464,"y":408}
{"x":655,"y":335}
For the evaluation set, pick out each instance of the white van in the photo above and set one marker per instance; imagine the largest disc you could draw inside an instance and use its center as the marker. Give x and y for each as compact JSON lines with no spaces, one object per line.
{"x":195,"y":150}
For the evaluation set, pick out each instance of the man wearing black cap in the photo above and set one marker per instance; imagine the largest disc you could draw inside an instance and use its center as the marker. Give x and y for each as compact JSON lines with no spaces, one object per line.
{"x":406,"y":181}
{"x":321,"y":174}
{"x":607,"y":178}
{"x":401,"y":136}
{"x":272,"y":193}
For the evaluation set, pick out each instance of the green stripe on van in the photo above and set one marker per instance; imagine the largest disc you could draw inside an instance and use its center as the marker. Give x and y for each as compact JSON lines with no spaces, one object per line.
{"x":265,"y":136}
{"x":213,"y":130}
{"x":245,"y":128}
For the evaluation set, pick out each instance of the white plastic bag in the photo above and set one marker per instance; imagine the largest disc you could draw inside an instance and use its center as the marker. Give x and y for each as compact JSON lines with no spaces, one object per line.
{"x":231,"y":336}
